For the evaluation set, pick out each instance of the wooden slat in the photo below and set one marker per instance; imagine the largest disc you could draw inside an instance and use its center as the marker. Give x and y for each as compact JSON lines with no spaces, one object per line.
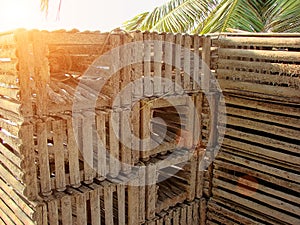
{"x":137,"y":66}
{"x":183,"y":212}
{"x":168,"y":58}
{"x":203,"y":211}
{"x":261,"y":78}
{"x":178,"y":82}
{"x":43,"y":159}
{"x":197,"y":63}
{"x":126,"y":86}
{"x":133,"y":201}
{"x":4,"y":219}
{"x":260,"y":41}
{"x":142,"y":193}
{"x":187,"y":63}
{"x":81,"y":212}
{"x":11,"y":105}
{"x":53,"y":212}
{"x":267,"y":66}
{"x":206,"y":59}
{"x":145,"y":129}
{"x":157,"y":82}
{"x":121,"y":203}
{"x":126,"y":136}
{"x":59,"y":156}
{"x":8,"y":38}
{"x":285,"y":56}
{"x":148,"y":84}
{"x":101,"y":145}
{"x":114,"y":134}
{"x":115,"y":41}
{"x":66,"y":210}
{"x":135,"y":121}
{"x":29,"y":167}
{"x":108,"y":205}
{"x":8,"y":67}
{"x":151,"y":192}
{"x":73,"y":153}
{"x":95,"y":206}
{"x":87,"y":150}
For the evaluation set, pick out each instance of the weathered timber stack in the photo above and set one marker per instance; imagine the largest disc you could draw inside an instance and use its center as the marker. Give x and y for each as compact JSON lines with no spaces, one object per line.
{"x":71,"y":123}
{"x":256,"y":177}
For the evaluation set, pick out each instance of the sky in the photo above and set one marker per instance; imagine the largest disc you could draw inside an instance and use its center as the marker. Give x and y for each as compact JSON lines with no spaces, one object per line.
{"x":103,"y":15}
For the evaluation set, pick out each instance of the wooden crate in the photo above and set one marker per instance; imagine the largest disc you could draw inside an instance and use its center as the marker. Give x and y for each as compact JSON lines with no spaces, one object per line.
{"x":169,"y":180}
{"x":260,"y":65}
{"x":249,"y":189}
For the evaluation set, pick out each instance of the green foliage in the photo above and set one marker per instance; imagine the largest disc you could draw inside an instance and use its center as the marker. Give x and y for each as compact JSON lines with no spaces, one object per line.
{"x":208,"y":16}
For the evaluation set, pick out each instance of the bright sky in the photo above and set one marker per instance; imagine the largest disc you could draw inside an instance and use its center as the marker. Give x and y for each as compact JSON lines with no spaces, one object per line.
{"x":102,"y":15}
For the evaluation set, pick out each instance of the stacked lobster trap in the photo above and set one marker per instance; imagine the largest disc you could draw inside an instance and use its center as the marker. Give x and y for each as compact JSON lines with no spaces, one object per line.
{"x":256,"y":173}
{"x":105,"y":127}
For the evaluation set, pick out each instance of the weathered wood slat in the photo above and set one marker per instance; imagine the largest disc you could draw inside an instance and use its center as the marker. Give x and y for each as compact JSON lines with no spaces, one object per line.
{"x":9,"y":79}
{"x":73,"y":153}
{"x":81,"y":210}
{"x":137,"y":54}
{"x":66,"y":210}
{"x":43,"y":159}
{"x":114,"y":134}
{"x":57,"y":127}
{"x":28,"y":165}
{"x":168,"y":59}
{"x":87,"y":150}
{"x":126,"y":142}
{"x":177,"y":52}
{"x":187,"y":42}
{"x":206,"y":60}
{"x":95,"y":206}
{"x":108,"y":205}
{"x":7,"y":39}
{"x":262,"y":78}
{"x":101,"y":145}
{"x":266,"y":41}
{"x":197,"y":64}
{"x":7,"y":52}
{"x":4,"y":219}
{"x":133,"y":201}
{"x":121,"y":203}
{"x":151,"y":192}
{"x":53,"y":212}
{"x":158,"y":56}
{"x":273,"y":92}
{"x":8,"y":67}
{"x":284,"y":56}
{"x":292,"y":69}
{"x":148,"y":82}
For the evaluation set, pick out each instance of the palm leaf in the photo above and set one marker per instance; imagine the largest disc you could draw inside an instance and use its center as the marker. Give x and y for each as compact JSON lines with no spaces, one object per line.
{"x":237,"y":14}
{"x":174,"y":16}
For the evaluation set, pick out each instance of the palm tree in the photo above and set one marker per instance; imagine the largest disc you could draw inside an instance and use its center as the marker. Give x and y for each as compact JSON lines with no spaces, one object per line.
{"x":208,"y":16}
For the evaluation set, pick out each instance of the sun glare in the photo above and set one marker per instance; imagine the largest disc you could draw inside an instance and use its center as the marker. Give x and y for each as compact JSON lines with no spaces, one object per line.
{"x":19,"y":13}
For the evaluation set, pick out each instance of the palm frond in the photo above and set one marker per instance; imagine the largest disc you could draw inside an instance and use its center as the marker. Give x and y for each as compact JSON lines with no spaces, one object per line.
{"x":237,"y":14}
{"x":283,"y":16}
{"x":174,"y":16}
